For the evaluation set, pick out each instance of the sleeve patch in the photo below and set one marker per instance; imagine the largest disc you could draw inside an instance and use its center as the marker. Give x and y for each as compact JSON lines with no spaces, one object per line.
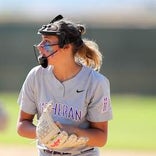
{"x":106,"y":104}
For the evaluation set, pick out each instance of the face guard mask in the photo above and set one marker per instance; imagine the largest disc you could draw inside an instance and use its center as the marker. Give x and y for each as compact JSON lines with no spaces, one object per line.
{"x":42,"y":59}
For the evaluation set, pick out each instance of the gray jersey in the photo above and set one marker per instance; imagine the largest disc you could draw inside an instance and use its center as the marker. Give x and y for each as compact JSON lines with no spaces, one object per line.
{"x":84,"y":98}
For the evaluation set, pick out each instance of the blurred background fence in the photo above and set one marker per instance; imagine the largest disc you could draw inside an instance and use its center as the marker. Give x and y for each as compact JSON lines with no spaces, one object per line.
{"x":129,"y":56}
{"x":124,"y":30}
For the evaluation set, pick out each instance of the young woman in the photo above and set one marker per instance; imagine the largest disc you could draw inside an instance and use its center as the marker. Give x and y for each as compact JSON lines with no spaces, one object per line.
{"x":68,"y":76}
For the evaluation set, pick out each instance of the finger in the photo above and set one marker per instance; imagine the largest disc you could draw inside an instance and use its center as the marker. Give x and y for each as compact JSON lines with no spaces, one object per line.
{"x":59,"y":124}
{"x":59,"y":140}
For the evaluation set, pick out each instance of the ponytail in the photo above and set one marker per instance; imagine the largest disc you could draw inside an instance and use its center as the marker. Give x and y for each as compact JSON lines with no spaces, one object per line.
{"x":89,"y":55}
{"x":85,"y":51}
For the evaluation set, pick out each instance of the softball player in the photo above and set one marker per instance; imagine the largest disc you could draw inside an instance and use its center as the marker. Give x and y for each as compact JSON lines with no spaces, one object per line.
{"x":67,"y":75}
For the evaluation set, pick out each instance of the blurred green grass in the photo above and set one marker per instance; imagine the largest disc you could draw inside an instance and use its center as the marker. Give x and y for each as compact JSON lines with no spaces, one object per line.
{"x":133,"y":125}
{"x":10,"y":136}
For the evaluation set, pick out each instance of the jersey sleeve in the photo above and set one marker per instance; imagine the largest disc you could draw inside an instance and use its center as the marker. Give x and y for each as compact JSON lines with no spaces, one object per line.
{"x":99,"y":108}
{"x":26,"y":97}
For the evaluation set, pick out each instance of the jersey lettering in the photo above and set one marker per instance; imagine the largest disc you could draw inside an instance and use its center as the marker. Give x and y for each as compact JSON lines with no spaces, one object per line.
{"x":65,"y":111}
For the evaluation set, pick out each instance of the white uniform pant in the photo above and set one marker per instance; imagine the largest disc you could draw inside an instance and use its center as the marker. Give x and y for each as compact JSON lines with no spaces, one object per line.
{"x":94,"y":152}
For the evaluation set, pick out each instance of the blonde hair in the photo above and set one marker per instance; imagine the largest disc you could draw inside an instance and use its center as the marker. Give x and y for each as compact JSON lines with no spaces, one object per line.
{"x":89,"y":55}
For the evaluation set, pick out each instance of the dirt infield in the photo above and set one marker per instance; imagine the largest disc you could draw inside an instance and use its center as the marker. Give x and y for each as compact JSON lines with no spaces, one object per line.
{"x":31,"y":151}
